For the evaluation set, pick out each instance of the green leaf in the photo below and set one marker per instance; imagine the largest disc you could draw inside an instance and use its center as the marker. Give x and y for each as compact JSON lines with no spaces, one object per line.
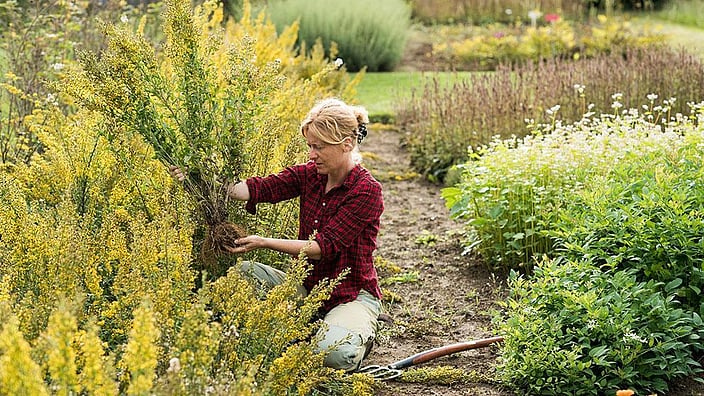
{"x":673,"y":285}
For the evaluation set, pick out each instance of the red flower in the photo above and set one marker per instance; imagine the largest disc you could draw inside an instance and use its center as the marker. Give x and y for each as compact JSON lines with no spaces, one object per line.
{"x":552,"y":18}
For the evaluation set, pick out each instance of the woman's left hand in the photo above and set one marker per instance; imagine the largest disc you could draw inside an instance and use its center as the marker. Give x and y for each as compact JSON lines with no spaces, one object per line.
{"x":247,"y":244}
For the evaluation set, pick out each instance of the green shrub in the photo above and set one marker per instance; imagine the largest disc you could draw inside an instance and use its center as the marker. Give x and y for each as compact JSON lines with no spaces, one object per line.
{"x":442,"y":123}
{"x":512,"y":190}
{"x":644,"y":214}
{"x":366,"y":33}
{"x":573,"y":329}
{"x":684,"y":12}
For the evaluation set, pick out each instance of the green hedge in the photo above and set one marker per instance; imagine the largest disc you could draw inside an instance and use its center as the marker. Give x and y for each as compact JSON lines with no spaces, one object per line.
{"x":366,"y":33}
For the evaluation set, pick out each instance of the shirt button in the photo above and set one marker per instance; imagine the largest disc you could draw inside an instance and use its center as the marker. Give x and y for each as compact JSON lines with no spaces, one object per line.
{"x":316,"y":221}
{"x":324,"y":203}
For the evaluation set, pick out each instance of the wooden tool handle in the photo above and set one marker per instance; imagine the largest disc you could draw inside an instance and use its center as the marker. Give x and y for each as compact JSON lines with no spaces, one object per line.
{"x":431,"y":354}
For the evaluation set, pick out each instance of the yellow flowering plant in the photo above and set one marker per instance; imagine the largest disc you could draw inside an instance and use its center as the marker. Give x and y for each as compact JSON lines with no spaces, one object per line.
{"x":96,"y":287}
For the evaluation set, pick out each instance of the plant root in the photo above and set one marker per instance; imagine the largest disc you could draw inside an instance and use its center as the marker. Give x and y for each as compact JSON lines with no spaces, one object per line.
{"x":217,"y":239}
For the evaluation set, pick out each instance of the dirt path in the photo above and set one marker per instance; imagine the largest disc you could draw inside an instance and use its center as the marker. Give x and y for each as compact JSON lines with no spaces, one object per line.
{"x":442,"y":297}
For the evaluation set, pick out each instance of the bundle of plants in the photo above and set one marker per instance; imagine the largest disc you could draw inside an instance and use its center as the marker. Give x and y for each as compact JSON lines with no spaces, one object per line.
{"x":195,"y":114}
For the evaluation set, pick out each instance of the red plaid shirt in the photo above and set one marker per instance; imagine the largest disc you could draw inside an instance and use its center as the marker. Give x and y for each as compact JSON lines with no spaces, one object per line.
{"x":346,"y":220}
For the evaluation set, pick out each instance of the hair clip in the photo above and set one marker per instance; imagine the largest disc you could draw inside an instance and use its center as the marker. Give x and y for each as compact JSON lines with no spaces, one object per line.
{"x":361,"y":132}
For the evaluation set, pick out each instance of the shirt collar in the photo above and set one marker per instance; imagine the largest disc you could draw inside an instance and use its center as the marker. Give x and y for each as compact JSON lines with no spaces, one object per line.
{"x":349,"y":180}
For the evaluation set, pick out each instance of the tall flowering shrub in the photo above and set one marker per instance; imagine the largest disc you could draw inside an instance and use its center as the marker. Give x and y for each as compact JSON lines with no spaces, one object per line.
{"x":97,"y":288}
{"x":206,"y":104}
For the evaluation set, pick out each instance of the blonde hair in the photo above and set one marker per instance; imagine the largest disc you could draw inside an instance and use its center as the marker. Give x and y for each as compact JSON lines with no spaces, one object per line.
{"x":332,"y":121}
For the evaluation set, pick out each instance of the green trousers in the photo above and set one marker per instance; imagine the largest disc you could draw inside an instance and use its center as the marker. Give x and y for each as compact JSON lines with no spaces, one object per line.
{"x":348,"y":330}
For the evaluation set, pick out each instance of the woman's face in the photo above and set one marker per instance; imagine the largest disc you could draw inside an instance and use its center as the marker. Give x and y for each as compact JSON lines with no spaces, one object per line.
{"x":327,"y":157}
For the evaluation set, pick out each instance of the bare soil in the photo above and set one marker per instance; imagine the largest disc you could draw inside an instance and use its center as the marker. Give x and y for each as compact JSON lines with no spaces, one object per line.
{"x":451,"y":298}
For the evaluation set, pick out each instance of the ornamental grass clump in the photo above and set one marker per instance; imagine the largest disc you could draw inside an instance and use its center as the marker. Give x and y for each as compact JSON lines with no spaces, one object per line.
{"x":367,"y":34}
{"x":442,"y":123}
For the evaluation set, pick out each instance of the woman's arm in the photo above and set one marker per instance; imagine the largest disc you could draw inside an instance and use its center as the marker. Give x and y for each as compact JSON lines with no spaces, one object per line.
{"x":238,"y":190}
{"x":291,"y":246}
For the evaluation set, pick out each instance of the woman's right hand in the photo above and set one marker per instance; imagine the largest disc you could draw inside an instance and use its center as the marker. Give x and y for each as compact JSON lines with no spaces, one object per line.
{"x":177,"y":173}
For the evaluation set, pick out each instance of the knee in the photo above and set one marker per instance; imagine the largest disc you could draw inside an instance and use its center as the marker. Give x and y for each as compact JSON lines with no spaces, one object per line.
{"x":345,"y":356}
{"x":344,"y":350}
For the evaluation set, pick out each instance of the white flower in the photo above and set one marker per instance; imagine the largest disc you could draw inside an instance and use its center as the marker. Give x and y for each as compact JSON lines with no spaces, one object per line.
{"x":651,"y":97}
{"x":617,"y":96}
{"x":508,"y":11}
{"x":57,"y":66}
{"x":616,"y":105}
{"x":124,"y":18}
{"x":339,"y":62}
{"x":553,"y":110}
{"x":633,"y":336}
{"x":174,"y":365}
{"x":51,"y":99}
{"x":534,"y":14}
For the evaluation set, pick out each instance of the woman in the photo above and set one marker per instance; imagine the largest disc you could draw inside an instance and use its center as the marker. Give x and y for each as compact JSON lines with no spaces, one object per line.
{"x":340,"y":204}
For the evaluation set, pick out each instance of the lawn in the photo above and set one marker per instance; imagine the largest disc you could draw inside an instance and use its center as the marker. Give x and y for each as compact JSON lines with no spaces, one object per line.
{"x":379,"y":91}
{"x":690,"y":38}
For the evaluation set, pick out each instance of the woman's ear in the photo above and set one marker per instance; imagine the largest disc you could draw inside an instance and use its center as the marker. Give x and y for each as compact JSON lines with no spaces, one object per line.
{"x":349,"y":144}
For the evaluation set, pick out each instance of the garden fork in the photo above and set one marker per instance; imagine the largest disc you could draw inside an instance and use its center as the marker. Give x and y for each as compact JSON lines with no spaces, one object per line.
{"x":393,"y":370}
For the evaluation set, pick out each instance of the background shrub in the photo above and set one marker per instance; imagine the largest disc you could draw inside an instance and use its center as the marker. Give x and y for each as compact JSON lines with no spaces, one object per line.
{"x":443,"y":122}
{"x":480,"y":12}
{"x":366,"y":33}
{"x":483,"y":48}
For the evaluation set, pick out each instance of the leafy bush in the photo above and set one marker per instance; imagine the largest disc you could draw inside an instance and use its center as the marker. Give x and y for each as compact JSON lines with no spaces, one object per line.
{"x":512,"y":191}
{"x":442,"y":123}
{"x":645,"y":215}
{"x":366,"y":34}
{"x":575,"y":329}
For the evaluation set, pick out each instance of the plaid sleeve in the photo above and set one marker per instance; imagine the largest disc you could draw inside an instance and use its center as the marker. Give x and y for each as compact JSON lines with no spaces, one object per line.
{"x":275,"y":188}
